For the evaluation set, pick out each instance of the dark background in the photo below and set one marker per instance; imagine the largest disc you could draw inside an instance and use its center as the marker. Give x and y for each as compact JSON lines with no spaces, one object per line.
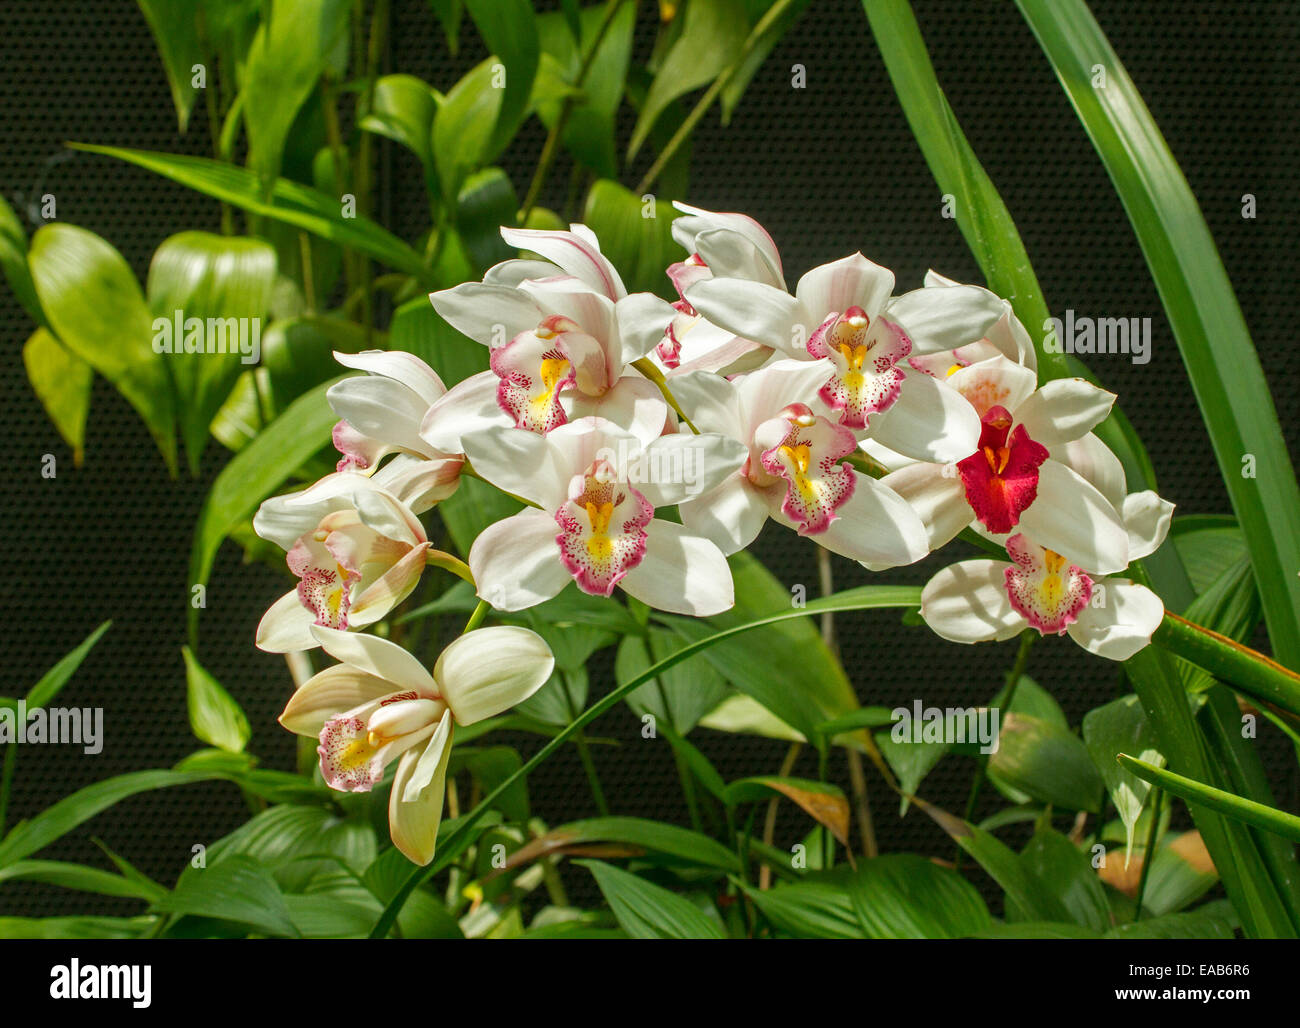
{"x":827,"y":169}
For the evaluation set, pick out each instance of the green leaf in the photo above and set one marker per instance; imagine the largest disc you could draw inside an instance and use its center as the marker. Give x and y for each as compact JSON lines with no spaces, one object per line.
{"x":471,"y":508}
{"x":53,"y":681}
{"x":81,"y":878}
{"x":1180,"y":874}
{"x":509,"y":29}
{"x":1279,"y":822}
{"x":35,"y":834}
{"x":253,"y":474}
{"x":809,"y":910}
{"x":174,"y":24}
{"x":1208,"y":545}
{"x":1065,"y":871}
{"x":402,"y":109}
{"x":824,"y":803}
{"x":288,"y":202}
{"x":13,"y":262}
{"x":903,"y":896}
{"x":656,"y":837}
{"x":95,"y":307}
{"x":712,"y":36}
{"x":647,"y":911}
{"x":1221,"y":361}
{"x":1121,"y":727}
{"x":62,"y":382}
{"x":215,"y":717}
{"x":226,"y":282}
{"x":1212,"y":921}
{"x":74,"y":927}
{"x":464,"y":126}
{"x":487,"y":201}
{"x":1048,"y":763}
{"x":238,"y":889}
{"x":680,"y":696}
{"x":292,"y":47}
{"x":635,"y":235}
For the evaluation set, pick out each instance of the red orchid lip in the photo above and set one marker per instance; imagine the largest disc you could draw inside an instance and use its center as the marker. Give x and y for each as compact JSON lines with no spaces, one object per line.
{"x":1001,"y":476}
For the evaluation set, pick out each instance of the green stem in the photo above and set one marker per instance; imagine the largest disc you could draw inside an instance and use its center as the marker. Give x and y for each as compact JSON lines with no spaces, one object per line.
{"x":647,"y":367}
{"x":706,"y":101}
{"x":1149,"y":854}
{"x":476,"y":619}
{"x":553,"y":138}
{"x":905,"y":597}
{"x":584,"y":752}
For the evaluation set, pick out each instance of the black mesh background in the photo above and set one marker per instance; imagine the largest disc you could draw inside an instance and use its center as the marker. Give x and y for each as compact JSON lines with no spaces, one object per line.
{"x":827,"y":169}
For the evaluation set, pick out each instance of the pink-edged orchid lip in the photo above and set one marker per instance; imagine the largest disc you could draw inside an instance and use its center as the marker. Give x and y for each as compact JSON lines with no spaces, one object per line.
{"x":864,"y":354}
{"x":325,"y":585}
{"x":534,"y":368}
{"x":602,"y":529}
{"x":805,"y":457}
{"x":355,"y":746}
{"x":1001,"y":477}
{"x":1044,"y":587}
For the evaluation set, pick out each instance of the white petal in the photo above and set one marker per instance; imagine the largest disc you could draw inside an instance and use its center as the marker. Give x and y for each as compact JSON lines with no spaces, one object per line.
{"x":710,"y":401}
{"x":1123,"y":625}
{"x":283,"y":521}
{"x":1008,"y":335}
{"x":432,"y":755}
{"x":928,"y":422}
{"x":851,"y":281}
{"x":516,"y":562}
{"x":469,"y":406}
{"x":968,"y":603}
{"x":380,"y":408}
{"x":768,"y":391}
{"x":945,"y":318}
{"x":1147,"y":518}
{"x":996,"y":382}
{"x":642,"y":320}
{"x":286,"y":626}
{"x":486,"y":672}
{"x":680,"y":573}
{"x":489,"y":314}
{"x":936,"y":494}
{"x":875,"y":527}
{"x":751,"y":310}
{"x":697,"y":222}
{"x":1096,"y":462}
{"x":731,"y":254}
{"x":413,"y":824}
{"x":375,"y":656}
{"x":400,"y":366}
{"x":634,"y":403}
{"x":731,"y":516}
{"x":519,"y":462}
{"x":1063,"y":409}
{"x":331,"y":692}
{"x":679,"y":467}
{"x":575,"y":253}
{"x":383,"y":513}
{"x":1070,"y":516}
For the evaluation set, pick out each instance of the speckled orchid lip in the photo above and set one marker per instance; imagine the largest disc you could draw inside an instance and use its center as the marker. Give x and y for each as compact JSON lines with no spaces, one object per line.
{"x":1044,"y":587}
{"x":863,"y":352}
{"x":534,"y":369}
{"x":602,"y":529}
{"x":804,"y":455}
{"x":357,"y":745}
{"x":1001,"y":477}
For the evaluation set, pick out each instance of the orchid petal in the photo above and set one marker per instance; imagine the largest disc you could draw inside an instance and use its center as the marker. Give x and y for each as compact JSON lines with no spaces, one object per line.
{"x":413,"y":823}
{"x":877,"y":528}
{"x":939,"y":318}
{"x":574,"y":252}
{"x":328,"y":693}
{"x":1146,"y":518}
{"x":486,"y":312}
{"x":996,"y":382}
{"x":937,"y":495}
{"x":851,"y":281}
{"x":928,"y":422}
{"x":485,"y":672}
{"x":376,"y":656}
{"x":516,"y":562}
{"x":680,"y":467}
{"x":1070,"y":516}
{"x":519,"y":462}
{"x":286,"y":626}
{"x":1063,"y":409}
{"x":402,"y":367}
{"x":968,"y":603}
{"x":751,"y":310}
{"x":730,"y":517}
{"x":681,"y":573}
{"x":1121,"y":625}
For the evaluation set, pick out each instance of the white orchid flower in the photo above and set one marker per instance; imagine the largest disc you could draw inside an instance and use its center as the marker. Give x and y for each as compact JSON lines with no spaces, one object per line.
{"x":356,"y":549}
{"x":728,"y":246}
{"x":561,"y":343}
{"x":596,"y":488}
{"x":838,"y":313}
{"x":985,"y":600}
{"x":793,"y":471}
{"x":1017,"y":478}
{"x":380,"y":705}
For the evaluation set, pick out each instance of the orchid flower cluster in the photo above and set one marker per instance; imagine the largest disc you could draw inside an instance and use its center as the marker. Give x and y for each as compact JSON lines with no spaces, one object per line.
{"x":879,"y":426}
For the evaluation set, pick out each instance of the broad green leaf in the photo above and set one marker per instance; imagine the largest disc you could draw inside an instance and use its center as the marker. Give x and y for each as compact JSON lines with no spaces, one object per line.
{"x":239,"y":890}
{"x":1213,"y":921}
{"x":289,"y":202}
{"x":74,"y":927}
{"x":62,"y":382}
{"x":13,"y":262}
{"x":711,"y":38}
{"x":1208,"y":544}
{"x":1066,"y":872}
{"x":1046,"y":762}
{"x":648,"y":911}
{"x":863,"y":717}
{"x":402,"y":109}
{"x":81,"y":878}
{"x":1121,"y":727}
{"x":53,"y":681}
{"x":635,"y":234}
{"x":491,"y":766}
{"x":174,"y":24}
{"x":253,"y":474}
{"x":680,"y":696}
{"x":95,"y":307}
{"x":1181,"y":873}
{"x":465,"y":124}
{"x":744,"y":714}
{"x":810,"y":909}
{"x":215,"y":717}
{"x":1279,"y":822}
{"x":509,"y":29}
{"x":910,"y":761}
{"x":56,"y":821}
{"x":1208,"y":325}
{"x":292,"y":47}
{"x":681,"y":844}
{"x":224,"y":283}
{"x":903,"y":896}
